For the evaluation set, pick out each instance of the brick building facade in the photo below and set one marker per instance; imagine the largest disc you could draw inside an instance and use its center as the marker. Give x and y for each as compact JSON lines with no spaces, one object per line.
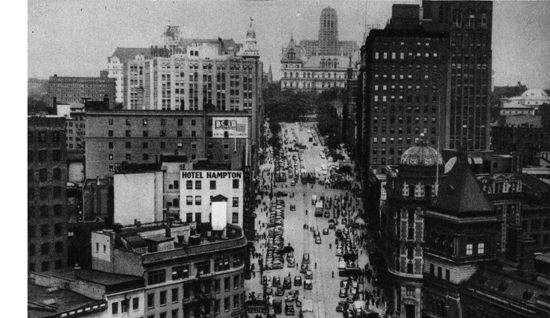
{"x":47,"y":201}
{"x":64,"y":89}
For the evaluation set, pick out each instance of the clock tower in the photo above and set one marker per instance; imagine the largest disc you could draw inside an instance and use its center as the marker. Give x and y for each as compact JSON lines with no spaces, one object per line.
{"x":250,"y":46}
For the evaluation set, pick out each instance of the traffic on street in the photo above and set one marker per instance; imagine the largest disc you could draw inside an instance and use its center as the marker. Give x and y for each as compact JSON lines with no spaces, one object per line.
{"x":310,"y":258}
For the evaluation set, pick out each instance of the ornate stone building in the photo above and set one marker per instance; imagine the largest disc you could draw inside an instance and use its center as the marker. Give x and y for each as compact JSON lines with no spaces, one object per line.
{"x":317,"y":65}
{"x":410,"y":189}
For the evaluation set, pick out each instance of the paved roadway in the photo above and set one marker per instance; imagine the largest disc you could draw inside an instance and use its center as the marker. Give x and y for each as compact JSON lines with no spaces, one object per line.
{"x":325,"y":288}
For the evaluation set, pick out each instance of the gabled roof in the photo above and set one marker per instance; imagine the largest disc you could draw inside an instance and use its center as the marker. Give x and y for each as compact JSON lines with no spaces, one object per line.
{"x":460,"y":192}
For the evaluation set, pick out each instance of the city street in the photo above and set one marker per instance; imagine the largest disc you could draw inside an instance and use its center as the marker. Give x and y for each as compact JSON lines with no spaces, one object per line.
{"x":325,"y":288}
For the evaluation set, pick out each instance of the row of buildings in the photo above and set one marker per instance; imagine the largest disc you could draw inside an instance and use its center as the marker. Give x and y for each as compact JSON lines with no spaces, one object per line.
{"x":459,"y":231}
{"x":146,"y":210}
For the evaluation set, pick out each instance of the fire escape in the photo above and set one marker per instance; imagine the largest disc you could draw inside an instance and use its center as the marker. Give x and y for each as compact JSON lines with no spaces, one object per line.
{"x":202,"y":302}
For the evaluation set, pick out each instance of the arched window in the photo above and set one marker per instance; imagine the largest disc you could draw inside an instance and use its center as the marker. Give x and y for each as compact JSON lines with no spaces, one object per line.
{"x":285,"y":74}
{"x":304,"y":85}
{"x":290,"y":74}
{"x":335,"y":63}
{"x":457,"y":19}
{"x":323,"y":63}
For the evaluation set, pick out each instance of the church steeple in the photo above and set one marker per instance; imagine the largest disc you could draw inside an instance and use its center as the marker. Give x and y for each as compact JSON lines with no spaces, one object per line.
{"x":250,"y":49}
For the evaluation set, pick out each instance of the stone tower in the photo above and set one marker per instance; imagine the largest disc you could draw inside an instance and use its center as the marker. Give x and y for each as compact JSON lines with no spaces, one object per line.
{"x":328,"y":32}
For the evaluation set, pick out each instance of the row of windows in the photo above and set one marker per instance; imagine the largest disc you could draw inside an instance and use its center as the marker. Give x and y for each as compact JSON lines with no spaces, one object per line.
{"x":192,"y":311}
{"x":45,"y":266}
{"x":401,"y":109}
{"x":198,"y":184}
{"x":399,"y":140}
{"x":146,"y":156}
{"x":45,"y":192}
{"x":198,"y":216}
{"x":124,"y":306}
{"x":319,"y":75}
{"x":43,"y":174}
{"x":162,"y":133}
{"x":44,"y":211}
{"x":43,"y":155}
{"x":183,"y":271}
{"x":403,"y":55}
{"x":45,"y":248}
{"x":45,"y":230}
{"x":162,"y":144}
{"x":42,"y":136}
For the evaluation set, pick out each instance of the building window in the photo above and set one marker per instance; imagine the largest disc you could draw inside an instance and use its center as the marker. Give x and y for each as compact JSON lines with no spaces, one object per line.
{"x":111,"y":156}
{"x":227,"y":284}
{"x":145,"y":156}
{"x":432,"y":269}
{"x":235,"y":201}
{"x":111,"y":145}
{"x":189,"y":185}
{"x":189,"y":200}
{"x":110,"y":133}
{"x":198,"y":200}
{"x":203,"y":267}
{"x":42,"y":136}
{"x":212,"y":184}
{"x":235,"y":218}
{"x":193,"y":145}
{"x":217,"y":285}
{"x":114,"y":308}
{"x":221,"y":264}
{"x":226,"y":304}
{"x":162,"y":300}
{"x":45,"y":266}
{"x":156,"y":277}
{"x":42,"y":156}
{"x":59,"y":247}
{"x":135,"y":303}
{"x":193,"y":133}
{"x":43,"y":174}
{"x":150,"y":301}
{"x":128,"y":157}
{"x":481,"y":248}
{"x":447,"y":274}
{"x":56,"y":155}
{"x":469,"y":249}
{"x":235,"y":183}
{"x":45,"y":249}
{"x":189,"y":218}
{"x":180,"y":272}
{"x":410,"y":290}
{"x":198,"y":185}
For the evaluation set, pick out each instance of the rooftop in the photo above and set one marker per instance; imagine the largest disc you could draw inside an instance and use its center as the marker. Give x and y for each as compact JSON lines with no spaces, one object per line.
{"x":45,"y":302}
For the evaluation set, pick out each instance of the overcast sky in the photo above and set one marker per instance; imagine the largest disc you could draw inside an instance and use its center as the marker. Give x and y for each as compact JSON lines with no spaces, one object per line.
{"x":75,"y":37}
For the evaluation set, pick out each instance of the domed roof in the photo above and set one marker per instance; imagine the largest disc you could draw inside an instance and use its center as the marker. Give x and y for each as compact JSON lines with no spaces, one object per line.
{"x":421,"y":155}
{"x":534,"y":93}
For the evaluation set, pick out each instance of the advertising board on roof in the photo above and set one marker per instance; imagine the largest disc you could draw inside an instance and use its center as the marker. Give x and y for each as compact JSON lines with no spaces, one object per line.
{"x":230,"y":127}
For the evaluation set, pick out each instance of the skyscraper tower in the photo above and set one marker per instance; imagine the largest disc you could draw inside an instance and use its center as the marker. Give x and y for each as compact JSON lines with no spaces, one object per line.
{"x":328,"y":32}
{"x":469,"y":24}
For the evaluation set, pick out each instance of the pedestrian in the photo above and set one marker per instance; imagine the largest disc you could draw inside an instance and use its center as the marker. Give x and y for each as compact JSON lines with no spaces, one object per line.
{"x":330,"y":246}
{"x":332,"y":274}
{"x":315,"y":265}
{"x":377,"y":303}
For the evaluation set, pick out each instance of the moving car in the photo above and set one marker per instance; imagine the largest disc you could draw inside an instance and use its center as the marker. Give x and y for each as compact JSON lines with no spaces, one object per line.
{"x":289,"y":310}
{"x":279,"y":292}
{"x":318,"y":240}
{"x":305,"y":258}
{"x":340,"y":307}
{"x":276,"y":281}
{"x":304,"y":268}
{"x":325,"y":231}
{"x":308,"y":284}
{"x":309,"y":275}
{"x":343,"y":293}
{"x":292,"y":296}
{"x":297,"y":280}
{"x":287,"y":283}
{"x":292,"y":207}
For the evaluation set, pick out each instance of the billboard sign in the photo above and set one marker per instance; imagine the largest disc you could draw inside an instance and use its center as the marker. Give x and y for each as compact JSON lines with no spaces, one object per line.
{"x":230,"y":127}
{"x":219,"y":215}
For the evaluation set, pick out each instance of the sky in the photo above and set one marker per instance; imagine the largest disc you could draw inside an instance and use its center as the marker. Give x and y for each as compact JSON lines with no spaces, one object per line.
{"x":75,"y":37}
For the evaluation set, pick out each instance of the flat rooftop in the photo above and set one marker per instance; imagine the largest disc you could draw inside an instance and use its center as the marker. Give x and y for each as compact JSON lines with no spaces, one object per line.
{"x":45,"y":302}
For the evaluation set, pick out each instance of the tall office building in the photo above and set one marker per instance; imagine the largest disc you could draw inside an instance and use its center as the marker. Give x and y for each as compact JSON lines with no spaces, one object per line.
{"x":47,"y":183}
{"x":404,"y":87}
{"x":469,"y":24}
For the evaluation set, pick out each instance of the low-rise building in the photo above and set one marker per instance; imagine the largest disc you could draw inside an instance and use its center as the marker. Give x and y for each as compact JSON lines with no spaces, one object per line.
{"x":66,"y":89}
{"x":188,"y":271}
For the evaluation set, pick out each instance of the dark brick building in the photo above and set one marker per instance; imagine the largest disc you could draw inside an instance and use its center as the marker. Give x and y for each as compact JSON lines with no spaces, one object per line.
{"x":526,"y":140}
{"x":404,"y":84}
{"x":47,"y":202}
{"x":64,"y":89}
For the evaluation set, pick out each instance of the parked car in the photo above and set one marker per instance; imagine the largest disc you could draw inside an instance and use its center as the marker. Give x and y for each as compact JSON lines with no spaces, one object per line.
{"x":318,"y":240}
{"x":304,"y":268}
{"x":325,"y":231}
{"x":291,"y":263}
{"x":279,"y":292}
{"x":266,"y":279}
{"x":308,"y":284}
{"x":327,"y":214}
{"x":297,"y":280}
{"x":344,"y":283}
{"x":309,"y":275}
{"x":287,"y":283}
{"x":292,"y":296}
{"x":276,"y":281}
{"x":341,"y":263}
{"x":340,"y":307}
{"x":292,"y":207}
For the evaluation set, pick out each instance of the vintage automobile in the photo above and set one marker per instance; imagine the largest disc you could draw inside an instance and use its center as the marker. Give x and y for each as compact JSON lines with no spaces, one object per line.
{"x":308,"y":284}
{"x":297,"y":280}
